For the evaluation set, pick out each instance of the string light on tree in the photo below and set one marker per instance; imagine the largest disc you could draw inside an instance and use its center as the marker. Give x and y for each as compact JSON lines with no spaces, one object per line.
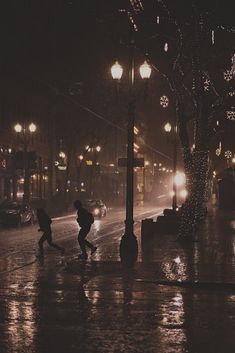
{"x":232,"y":93}
{"x":213,"y":37}
{"x":218,"y":150}
{"x":233,"y":65}
{"x":164,"y":101}
{"x":166,"y":47}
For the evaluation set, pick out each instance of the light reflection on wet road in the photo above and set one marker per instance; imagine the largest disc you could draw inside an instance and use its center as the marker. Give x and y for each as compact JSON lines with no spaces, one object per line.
{"x":63,"y":305}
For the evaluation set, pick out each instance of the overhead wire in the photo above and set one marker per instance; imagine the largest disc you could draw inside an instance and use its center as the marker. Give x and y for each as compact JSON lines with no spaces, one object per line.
{"x":97,"y":115}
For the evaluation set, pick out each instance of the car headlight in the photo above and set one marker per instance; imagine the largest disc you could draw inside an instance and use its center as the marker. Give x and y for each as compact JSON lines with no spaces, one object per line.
{"x":13,"y":212}
{"x":96,"y":211}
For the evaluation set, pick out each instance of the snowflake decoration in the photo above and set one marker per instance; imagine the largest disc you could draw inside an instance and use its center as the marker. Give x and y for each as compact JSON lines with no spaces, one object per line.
{"x":228,"y":154}
{"x":206,"y":84}
{"x":228,"y":75}
{"x":164,"y":101}
{"x":230,"y":114}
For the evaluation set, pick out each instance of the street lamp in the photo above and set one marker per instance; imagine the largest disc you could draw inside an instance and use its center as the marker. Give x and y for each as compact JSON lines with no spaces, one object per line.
{"x":32,"y":127}
{"x":168,"y":128}
{"x":116,"y":71}
{"x":129,"y":245}
{"x":24,"y":131}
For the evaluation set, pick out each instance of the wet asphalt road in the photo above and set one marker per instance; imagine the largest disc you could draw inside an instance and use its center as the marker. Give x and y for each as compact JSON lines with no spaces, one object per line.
{"x":64,"y":305}
{"x":18,"y":246}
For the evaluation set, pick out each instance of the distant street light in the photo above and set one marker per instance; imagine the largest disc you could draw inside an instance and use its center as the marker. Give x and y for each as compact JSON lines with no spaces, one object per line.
{"x":18,"y":128}
{"x":179,"y":179}
{"x":62,"y":155}
{"x":32,"y":127}
{"x":25,"y":133}
{"x":129,"y":245}
{"x":168,"y":129}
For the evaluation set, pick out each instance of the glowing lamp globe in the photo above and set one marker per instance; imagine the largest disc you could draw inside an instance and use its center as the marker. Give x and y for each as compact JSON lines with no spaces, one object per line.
{"x":18,"y":128}
{"x":116,"y":71}
{"x":179,"y":179}
{"x":145,"y":70}
{"x":32,"y":127}
{"x":167,"y":127}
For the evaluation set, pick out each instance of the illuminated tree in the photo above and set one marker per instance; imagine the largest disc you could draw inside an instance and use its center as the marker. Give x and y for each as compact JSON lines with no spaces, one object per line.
{"x":199,"y":69}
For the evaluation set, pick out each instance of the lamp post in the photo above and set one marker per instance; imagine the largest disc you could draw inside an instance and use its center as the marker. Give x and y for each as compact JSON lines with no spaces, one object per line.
{"x":22,"y":130}
{"x":168,"y":128}
{"x":93,"y":151}
{"x":129,"y":245}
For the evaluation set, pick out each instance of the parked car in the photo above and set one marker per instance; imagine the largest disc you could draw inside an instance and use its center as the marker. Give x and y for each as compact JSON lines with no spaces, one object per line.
{"x":16,"y":213}
{"x":96,"y":207}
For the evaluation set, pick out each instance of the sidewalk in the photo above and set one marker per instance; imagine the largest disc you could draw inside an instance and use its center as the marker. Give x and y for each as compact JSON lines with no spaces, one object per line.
{"x":179,"y":298}
{"x":209,"y":259}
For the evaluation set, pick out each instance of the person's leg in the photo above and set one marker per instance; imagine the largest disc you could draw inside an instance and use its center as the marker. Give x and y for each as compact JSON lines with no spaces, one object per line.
{"x":81,"y":239}
{"x":41,"y":241}
{"x":87,"y":243}
{"x":51,"y":243}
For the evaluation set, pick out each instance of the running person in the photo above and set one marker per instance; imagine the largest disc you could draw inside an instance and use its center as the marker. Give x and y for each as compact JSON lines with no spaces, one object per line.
{"x":44,"y":222}
{"x":85,"y":220}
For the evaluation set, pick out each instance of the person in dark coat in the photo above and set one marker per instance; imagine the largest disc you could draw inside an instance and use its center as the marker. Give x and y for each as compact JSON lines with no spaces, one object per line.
{"x":44,"y":222}
{"x":85,"y":220}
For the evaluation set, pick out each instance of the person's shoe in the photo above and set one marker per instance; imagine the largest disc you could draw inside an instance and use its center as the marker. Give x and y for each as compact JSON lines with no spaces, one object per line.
{"x":62,"y":251}
{"x":83,"y":257}
{"x":93,"y":250}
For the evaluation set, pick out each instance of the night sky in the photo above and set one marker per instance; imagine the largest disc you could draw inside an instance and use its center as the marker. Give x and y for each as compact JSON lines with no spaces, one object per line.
{"x":68,"y":47}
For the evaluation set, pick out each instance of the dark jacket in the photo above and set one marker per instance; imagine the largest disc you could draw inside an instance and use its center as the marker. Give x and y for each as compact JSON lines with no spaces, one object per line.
{"x":84,"y":218}
{"x":44,"y":220}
